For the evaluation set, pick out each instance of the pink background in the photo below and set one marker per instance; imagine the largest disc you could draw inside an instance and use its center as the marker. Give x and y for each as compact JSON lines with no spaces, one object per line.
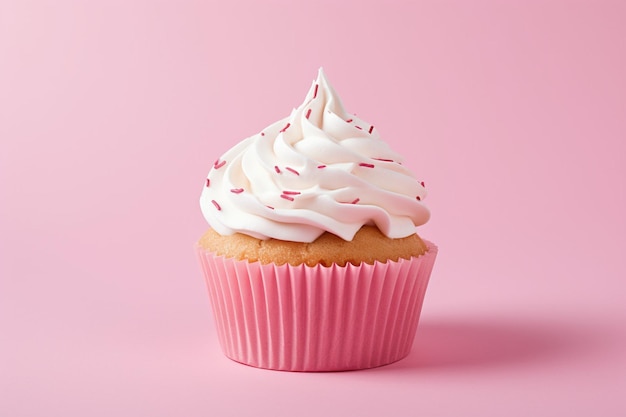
{"x":112,"y":112}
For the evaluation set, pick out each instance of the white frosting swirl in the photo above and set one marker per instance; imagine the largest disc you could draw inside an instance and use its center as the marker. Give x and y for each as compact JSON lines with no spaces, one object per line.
{"x":320,"y":169}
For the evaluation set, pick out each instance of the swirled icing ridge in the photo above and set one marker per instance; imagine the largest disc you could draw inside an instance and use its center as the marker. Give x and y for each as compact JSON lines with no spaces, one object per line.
{"x":318,"y":170}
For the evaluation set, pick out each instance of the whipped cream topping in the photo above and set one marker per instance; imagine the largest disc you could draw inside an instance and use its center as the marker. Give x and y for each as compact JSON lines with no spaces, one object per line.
{"x":319,"y":170}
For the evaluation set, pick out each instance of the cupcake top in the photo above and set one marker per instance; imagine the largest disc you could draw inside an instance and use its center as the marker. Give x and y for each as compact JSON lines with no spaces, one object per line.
{"x":319,"y":170}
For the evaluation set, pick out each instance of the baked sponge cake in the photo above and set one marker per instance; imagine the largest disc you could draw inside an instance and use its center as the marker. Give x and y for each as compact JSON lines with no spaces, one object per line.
{"x":312,"y":260}
{"x":368,"y":245}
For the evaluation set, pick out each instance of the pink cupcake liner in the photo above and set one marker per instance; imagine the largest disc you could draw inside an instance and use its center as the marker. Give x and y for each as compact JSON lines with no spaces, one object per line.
{"x":301,"y":318}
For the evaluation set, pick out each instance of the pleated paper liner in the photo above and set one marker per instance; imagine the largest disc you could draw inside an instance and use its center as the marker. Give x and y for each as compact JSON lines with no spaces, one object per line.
{"x":301,"y":318}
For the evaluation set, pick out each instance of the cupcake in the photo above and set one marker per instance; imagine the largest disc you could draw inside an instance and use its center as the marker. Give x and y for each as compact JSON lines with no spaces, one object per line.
{"x":312,"y":260}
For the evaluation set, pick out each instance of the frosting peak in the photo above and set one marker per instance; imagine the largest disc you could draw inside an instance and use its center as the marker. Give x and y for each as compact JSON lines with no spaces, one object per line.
{"x":320,"y":169}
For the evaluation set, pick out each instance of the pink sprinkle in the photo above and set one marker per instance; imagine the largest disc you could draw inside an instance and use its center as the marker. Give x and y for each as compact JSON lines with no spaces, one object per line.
{"x":262,"y":133}
{"x":218,"y":164}
{"x":422,"y":183}
{"x":208,"y":182}
{"x":217,"y":206}
{"x":237,"y":190}
{"x":321,"y":166}
{"x":418,"y":198}
{"x":358,"y":127}
{"x":286,"y":197}
{"x":292,"y":170}
{"x":291,"y":192}
{"x":383,"y":159}
{"x":278,"y":171}
{"x":371,"y":128}
{"x":270,"y":207}
{"x":285,"y":128}
{"x":363,"y":164}
{"x":308,"y":113}
{"x":349,"y":120}
{"x":356,"y":200}
{"x":315,"y":92}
